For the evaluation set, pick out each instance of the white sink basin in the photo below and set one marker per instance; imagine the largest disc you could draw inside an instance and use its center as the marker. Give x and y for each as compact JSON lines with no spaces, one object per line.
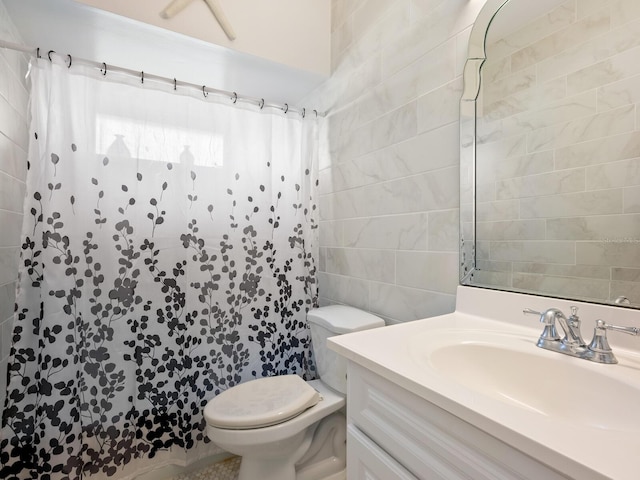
{"x":514,"y":371}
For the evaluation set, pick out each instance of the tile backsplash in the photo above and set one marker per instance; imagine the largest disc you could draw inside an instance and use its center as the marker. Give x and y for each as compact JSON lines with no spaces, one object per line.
{"x":13,"y":168}
{"x":389,"y":173}
{"x":559,"y":154}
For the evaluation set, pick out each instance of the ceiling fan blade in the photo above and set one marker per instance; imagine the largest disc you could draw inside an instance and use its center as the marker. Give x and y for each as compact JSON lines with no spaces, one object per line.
{"x":217,"y":11}
{"x":174,"y":7}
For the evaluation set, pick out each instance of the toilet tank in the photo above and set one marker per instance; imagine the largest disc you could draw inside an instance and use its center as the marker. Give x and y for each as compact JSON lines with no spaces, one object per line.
{"x":326,"y":322}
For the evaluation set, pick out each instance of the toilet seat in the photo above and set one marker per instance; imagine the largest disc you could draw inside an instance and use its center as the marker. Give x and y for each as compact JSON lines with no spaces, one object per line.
{"x":261,"y":403}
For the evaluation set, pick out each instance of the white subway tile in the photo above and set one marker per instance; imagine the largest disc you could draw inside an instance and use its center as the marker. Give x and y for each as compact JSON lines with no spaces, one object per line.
{"x":447,"y":19}
{"x":422,"y":153}
{"x":440,"y":107}
{"x":528,"y":98}
{"x":344,"y":290}
{"x":631,"y":199}
{"x":533,"y":32}
{"x":429,"y":271}
{"x":398,"y":232}
{"x":511,"y":230}
{"x":568,"y":270}
{"x":444,"y":231}
{"x":490,"y":168}
{"x":9,"y":257}
{"x":331,"y":234}
{"x":620,"y":93}
{"x":616,"y":174}
{"x":13,"y":125}
{"x":566,"y":287}
{"x":404,"y":304}
{"x":606,"y":124}
{"x":498,"y":210}
{"x":625,"y":274}
{"x":10,"y":231}
{"x":614,"y":251}
{"x":601,"y":202}
{"x":378,"y":265}
{"x":6,"y":333}
{"x":12,"y":192}
{"x":631,"y":290}
{"x":552,"y":183}
{"x":436,"y":190}
{"x":600,"y":150}
{"x":541,"y":116}
{"x":591,"y":52}
{"x":622,"y":11}
{"x":7,"y":300}
{"x":533,"y":251}
{"x":598,"y":227}
{"x":13,"y":159}
{"x":574,"y":34}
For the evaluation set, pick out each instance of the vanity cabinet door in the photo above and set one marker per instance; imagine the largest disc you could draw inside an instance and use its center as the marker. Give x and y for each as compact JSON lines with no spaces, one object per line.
{"x":367,"y":461}
{"x":426,"y":440}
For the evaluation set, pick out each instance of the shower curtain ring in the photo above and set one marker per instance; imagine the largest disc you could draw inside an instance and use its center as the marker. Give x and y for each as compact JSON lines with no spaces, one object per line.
{"x":304,"y":112}
{"x":38,"y":53}
{"x":316,"y":112}
{"x":70,"y":60}
{"x":204,"y":94}
{"x":235,"y":97}
{"x":175,"y":83}
{"x":261,"y":103}
{"x":286,"y":108}
{"x":142,"y":77}
{"x":104,"y":65}
{"x":49,"y":54}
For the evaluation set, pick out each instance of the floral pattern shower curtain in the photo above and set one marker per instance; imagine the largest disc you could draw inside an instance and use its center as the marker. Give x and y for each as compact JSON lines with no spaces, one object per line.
{"x":168,"y":254}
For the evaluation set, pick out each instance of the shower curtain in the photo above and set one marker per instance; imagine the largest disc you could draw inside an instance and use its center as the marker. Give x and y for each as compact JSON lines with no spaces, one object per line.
{"x":167,"y":255}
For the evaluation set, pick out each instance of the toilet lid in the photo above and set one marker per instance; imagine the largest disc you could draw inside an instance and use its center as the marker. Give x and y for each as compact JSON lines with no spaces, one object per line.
{"x":261,"y":403}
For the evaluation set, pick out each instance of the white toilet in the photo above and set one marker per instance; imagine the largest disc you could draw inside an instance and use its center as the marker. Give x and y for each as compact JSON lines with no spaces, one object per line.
{"x":283,"y":427}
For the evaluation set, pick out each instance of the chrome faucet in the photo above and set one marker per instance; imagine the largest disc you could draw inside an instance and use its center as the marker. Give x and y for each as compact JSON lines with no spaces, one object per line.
{"x":572,"y":342}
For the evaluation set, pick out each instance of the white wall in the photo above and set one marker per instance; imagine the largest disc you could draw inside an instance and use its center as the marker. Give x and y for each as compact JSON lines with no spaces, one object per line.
{"x":69,"y":27}
{"x":13,"y":168}
{"x":389,"y":176}
{"x":291,"y":32}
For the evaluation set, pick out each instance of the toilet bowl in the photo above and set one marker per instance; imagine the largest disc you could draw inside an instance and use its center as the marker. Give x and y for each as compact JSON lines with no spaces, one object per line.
{"x":283,"y":427}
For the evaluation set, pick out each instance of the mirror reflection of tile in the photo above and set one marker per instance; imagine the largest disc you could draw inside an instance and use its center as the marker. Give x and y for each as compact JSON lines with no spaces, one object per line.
{"x":558,"y":154}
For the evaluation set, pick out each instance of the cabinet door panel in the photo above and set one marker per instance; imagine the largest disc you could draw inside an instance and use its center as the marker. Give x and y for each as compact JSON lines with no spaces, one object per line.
{"x":428,"y":441}
{"x":367,"y":461}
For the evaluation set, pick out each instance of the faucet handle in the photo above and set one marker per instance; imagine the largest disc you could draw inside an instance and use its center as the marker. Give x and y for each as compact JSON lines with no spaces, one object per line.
{"x":599,"y":349}
{"x":627,"y":330}
{"x":529,"y":311}
{"x":549,"y":334}
{"x":544,"y":318}
{"x":574,"y":324}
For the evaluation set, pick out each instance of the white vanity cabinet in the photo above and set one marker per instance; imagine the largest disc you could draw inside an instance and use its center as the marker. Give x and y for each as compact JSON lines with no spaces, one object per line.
{"x":395,"y":434}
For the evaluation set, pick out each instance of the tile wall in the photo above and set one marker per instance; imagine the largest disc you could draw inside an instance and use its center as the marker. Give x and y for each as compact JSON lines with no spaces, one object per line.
{"x":13,"y":166}
{"x":389,"y":173}
{"x":559,"y":154}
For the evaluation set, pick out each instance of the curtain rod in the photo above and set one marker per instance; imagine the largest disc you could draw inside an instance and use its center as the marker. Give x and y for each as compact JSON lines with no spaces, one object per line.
{"x":104,"y":68}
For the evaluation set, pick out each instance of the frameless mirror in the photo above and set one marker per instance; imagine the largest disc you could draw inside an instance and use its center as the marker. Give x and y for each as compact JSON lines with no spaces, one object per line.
{"x":550,"y":150}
